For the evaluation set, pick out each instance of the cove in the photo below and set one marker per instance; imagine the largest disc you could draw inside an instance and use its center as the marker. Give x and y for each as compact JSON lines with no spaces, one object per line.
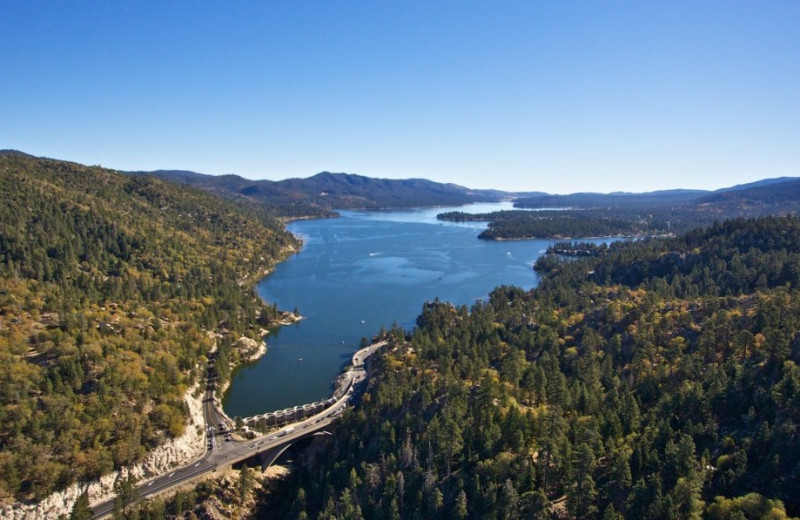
{"x":358,"y":273}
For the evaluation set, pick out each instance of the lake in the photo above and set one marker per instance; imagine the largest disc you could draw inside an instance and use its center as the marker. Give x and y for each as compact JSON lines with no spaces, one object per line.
{"x":358,"y":273}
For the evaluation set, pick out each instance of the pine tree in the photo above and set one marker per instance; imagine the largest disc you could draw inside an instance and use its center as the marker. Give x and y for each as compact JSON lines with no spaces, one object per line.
{"x":81,"y":510}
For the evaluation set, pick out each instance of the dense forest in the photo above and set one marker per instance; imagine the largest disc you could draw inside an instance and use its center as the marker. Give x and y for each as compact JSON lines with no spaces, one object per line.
{"x":112,"y":291}
{"x":657,"y":380}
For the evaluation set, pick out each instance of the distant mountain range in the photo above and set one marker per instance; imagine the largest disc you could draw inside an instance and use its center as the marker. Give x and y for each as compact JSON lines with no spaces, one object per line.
{"x":611,"y":200}
{"x":322,"y":194}
{"x":766,"y":193}
{"x":777,"y":195}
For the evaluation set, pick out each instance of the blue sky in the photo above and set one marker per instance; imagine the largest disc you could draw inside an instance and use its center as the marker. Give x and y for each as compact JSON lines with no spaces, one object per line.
{"x":531,"y":95}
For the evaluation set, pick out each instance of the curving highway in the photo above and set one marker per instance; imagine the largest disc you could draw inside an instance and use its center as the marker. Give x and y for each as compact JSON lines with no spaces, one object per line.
{"x":221,"y":451}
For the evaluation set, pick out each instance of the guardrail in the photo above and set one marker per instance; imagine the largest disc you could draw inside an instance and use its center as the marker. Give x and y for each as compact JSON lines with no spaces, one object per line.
{"x":288,"y":415}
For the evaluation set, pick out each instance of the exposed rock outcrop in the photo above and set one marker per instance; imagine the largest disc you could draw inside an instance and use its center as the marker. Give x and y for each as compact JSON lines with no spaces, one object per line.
{"x":171,"y":454}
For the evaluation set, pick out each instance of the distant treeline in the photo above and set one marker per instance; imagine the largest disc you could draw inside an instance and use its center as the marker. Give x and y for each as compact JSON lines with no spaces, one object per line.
{"x":634,"y":214}
{"x":522,"y":224}
{"x":613,"y":221}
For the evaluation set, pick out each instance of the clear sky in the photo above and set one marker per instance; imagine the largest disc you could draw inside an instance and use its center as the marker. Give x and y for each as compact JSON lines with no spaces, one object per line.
{"x":531,"y":95}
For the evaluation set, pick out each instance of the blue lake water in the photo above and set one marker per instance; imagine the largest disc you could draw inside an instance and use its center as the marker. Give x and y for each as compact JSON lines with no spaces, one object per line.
{"x":358,"y":273}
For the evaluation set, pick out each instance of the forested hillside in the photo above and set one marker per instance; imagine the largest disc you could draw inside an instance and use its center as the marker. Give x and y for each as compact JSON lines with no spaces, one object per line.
{"x":110,"y":286}
{"x":657,"y":380}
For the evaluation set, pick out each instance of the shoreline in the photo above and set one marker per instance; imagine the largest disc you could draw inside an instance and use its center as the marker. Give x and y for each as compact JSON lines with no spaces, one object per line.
{"x":561,"y":238}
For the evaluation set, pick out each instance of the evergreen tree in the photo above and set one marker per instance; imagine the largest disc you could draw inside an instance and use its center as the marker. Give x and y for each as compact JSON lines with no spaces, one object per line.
{"x":81,"y":510}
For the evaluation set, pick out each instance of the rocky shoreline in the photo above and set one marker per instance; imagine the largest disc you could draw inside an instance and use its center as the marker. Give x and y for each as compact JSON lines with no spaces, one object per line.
{"x":253,"y":349}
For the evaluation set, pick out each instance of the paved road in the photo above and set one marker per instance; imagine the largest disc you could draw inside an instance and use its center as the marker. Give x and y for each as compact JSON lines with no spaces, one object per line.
{"x":222,"y":452}
{"x":230,"y":452}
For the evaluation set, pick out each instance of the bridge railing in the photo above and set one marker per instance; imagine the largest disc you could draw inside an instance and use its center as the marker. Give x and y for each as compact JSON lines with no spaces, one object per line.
{"x":281,"y":417}
{"x":289,"y":415}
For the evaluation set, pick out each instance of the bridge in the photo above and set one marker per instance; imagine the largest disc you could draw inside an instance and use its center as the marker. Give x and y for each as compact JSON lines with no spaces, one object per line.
{"x":225,"y":454}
